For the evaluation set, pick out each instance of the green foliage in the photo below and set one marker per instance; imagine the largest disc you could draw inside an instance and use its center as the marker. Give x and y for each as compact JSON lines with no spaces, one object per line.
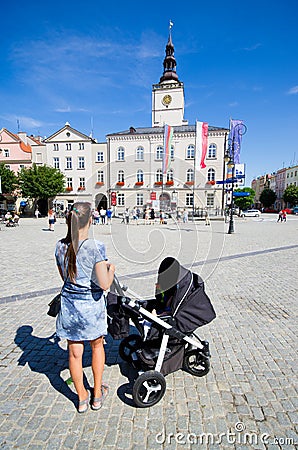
{"x":9,"y":180}
{"x":267,"y":197}
{"x":245,"y":202}
{"x":291,"y":195}
{"x":39,"y":182}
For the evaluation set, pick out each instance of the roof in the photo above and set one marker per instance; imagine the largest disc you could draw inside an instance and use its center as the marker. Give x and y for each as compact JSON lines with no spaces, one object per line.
{"x":160,"y":130}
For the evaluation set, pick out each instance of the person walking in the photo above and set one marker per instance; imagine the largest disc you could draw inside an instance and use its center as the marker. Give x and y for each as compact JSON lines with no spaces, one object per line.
{"x":207,"y":218}
{"x":36,"y":213}
{"x":280,"y":216}
{"x":109,"y":216}
{"x":52,"y":219}
{"x":103,"y":214}
{"x":83,"y":267}
{"x":284,"y":216}
{"x":185,"y":216}
{"x":126,"y":216}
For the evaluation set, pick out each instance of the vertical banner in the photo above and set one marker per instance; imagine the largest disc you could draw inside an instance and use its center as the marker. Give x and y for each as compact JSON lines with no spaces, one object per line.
{"x":236,"y":137}
{"x":168,"y":135}
{"x":201,"y":144}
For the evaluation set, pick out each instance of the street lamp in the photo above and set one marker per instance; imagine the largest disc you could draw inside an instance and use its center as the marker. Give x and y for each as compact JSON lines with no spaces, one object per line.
{"x":238,"y":131}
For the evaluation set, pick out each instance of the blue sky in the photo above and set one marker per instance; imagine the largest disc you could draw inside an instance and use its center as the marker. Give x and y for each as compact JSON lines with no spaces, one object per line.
{"x":93,"y":64}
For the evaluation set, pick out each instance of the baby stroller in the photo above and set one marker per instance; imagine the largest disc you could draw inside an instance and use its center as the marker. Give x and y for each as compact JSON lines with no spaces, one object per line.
{"x":167,"y":340}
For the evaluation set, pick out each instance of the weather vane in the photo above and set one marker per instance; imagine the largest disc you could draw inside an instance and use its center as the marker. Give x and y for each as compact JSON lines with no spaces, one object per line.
{"x":171,"y":24}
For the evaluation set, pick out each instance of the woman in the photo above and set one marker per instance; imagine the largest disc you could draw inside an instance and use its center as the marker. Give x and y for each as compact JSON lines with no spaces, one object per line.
{"x":83,"y":267}
{"x":52,"y":219}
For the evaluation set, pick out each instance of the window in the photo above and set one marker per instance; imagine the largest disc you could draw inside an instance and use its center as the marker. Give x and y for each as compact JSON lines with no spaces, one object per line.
{"x":159,"y":152}
{"x":189,"y":175}
{"x":69,"y":182}
{"x":81,"y":145}
{"x":170,"y":175}
{"x":120,"y":176}
{"x":56,"y":147}
{"x":211,"y":175}
{"x":6,"y":153}
{"x":38,"y":158}
{"x":140,"y":176}
{"x":68,"y":146}
{"x":56,"y":163}
{"x":140,"y":199}
{"x":7,"y":166}
{"x":22,"y":166}
{"x":99,"y":157}
{"x":140,"y":154}
{"x":82,"y":183}
{"x":120,"y":154}
{"x":100,"y":176}
{"x":172,"y":153}
{"x":189,"y":199}
{"x":158,"y":176}
{"x":210,"y":200}
{"x":190,"y":152}
{"x":212,"y":151}
{"x":81,"y":162}
{"x":68,"y":162}
{"x":120,"y":199}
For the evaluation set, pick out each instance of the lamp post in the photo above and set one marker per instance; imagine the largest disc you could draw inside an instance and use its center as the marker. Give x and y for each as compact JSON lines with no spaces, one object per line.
{"x":238,"y":131}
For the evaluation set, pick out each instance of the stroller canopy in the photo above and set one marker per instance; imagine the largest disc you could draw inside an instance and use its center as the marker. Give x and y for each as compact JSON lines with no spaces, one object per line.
{"x":190,"y":304}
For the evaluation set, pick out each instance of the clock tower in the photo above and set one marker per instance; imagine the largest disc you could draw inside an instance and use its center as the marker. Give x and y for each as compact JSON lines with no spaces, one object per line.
{"x":168,"y":94}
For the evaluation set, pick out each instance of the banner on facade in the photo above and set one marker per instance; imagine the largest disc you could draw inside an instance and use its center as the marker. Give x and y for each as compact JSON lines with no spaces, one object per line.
{"x":113,"y":198}
{"x":168,"y":135}
{"x":236,"y":130}
{"x":201,"y":144}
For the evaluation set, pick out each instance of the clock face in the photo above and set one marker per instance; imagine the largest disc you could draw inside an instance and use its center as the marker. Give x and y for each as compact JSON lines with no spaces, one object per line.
{"x":167,"y":100}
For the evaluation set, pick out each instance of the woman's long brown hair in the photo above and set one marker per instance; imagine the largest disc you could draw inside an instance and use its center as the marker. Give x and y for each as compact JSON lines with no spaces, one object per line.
{"x":78,"y":218}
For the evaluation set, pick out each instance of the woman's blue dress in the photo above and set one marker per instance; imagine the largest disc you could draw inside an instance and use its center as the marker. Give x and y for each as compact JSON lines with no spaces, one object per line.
{"x":83,"y":309}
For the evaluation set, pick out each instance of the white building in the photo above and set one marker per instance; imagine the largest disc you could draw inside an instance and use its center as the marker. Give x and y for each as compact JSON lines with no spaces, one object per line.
{"x":135,"y":155}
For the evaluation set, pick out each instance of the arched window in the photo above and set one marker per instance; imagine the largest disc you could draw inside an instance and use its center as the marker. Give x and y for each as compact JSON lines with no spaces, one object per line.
{"x":140,"y":154}
{"x":158,"y":175}
{"x":189,"y":175}
{"x":212,"y":151}
{"x":172,"y":151}
{"x":211,"y":175}
{"x":159,"y":152}
{"x":120,"y":154}
{"x":140,"y":176}
{"x":190,"y":152}
{"x":120,"y":177}
{"x":170,"y":175}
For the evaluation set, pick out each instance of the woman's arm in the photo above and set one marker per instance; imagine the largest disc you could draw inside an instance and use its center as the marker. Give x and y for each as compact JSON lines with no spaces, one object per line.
{"x":104,"y":274}
{"x":60,"y":272}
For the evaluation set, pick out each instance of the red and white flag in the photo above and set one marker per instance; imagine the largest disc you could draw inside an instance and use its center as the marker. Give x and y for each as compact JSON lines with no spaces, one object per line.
{"x":201,"y":144}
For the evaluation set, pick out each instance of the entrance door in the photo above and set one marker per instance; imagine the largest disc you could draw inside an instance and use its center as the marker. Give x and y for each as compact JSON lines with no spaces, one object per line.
{"x":165,"y":202}
{"x":101,"y":201}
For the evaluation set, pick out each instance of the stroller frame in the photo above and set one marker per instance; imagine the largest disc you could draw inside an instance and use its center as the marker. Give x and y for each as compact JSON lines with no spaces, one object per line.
{"x":150,"y":385}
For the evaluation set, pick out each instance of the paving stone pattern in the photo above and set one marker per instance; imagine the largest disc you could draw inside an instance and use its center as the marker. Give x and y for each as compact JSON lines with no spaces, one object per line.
{"x":247,"y":401}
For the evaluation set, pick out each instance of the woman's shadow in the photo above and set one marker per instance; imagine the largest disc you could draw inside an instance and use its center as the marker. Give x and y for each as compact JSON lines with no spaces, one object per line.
{"x":44,"y":355}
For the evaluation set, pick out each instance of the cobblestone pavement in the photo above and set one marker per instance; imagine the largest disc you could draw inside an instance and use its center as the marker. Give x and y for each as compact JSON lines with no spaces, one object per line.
{"x":247,"y":401}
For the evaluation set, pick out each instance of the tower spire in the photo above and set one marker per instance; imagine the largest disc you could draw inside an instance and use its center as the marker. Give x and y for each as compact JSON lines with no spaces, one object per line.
{"x":169,"y":63}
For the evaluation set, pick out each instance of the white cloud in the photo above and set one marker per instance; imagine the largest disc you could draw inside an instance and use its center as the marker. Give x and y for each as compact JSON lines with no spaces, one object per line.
{"x":233,"y":104}
{"x":293,"y":90}
{"x":24,"y":121}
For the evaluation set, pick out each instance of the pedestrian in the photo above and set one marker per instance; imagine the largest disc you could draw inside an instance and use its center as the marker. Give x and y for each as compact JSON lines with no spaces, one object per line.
{"x":284,"y":216}
{"x":86,"y":273}
{"x":207,"y":218}
{"x":126,"y":216}
{"x":161,"y":217}
{"x":185,"y":216}
{"x":109,"y":216}
{"x":280,"y":216}
{"x":96,"y":217}
{"x":103,"y":214}
{"x":152,"y":216}
{"x":36,"y":213}
{"x":52,"y":219}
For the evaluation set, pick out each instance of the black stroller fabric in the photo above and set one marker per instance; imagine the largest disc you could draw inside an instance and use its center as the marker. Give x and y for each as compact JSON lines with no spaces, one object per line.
{"x":118,"y":318}
{"x":189,"y":304}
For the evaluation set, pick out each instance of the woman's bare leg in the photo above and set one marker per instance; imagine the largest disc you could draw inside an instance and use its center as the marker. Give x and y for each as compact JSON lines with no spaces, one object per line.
{"x":76,"y":350}
{"x":98,"y":362}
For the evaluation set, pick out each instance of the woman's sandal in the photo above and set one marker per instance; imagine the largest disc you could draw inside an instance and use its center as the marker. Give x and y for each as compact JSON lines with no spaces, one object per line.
{"x":98,"y":402}
{"x":83,"y":405}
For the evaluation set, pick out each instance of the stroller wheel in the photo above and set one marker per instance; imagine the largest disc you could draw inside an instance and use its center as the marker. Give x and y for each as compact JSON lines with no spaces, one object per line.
{"x":129,"y":345}
{"x":148,"y":389}
{"x":196,"y":363}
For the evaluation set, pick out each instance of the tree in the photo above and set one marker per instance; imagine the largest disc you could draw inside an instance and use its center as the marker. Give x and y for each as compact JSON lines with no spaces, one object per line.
{"x":291,"y":195}
{"x":267,"y":197}
{"x":9,"y":180}
{"x":41,"y":182}
{"x":245,"y":202}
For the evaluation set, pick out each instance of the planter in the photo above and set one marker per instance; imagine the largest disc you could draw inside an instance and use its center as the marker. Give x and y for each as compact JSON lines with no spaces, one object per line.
{"x":68,"y":189}
{"x":169,"y":183}
{"x":139,"y":183}
{"x":158,"y":183}
{"x":212,"y":183}
{"x":81,"y":189}
{"x":99,"y":183}
{"x":120,"y":183}
{"x":189,"y":183}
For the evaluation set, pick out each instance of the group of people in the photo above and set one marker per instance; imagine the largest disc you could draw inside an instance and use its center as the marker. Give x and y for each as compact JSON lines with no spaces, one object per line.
{"x":11,"y":219}
{"x":282,"y":216}
{"x":103,"y":216}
